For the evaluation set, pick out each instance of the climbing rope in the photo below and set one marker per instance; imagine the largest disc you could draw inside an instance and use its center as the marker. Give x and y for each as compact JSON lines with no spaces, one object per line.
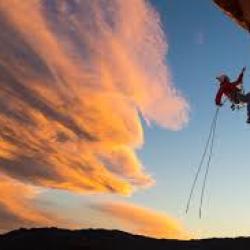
{"x":209,"y":161}
{"x":209,"y":142}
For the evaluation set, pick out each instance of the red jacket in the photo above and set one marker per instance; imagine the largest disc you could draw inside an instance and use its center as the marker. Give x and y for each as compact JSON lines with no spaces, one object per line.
{"x":229,"y":89}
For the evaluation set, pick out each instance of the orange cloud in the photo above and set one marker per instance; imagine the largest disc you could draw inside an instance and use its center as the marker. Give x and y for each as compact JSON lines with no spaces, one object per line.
{"x":74,"y":77}
{"x":144,"y":221}
{"x":71,"y":91}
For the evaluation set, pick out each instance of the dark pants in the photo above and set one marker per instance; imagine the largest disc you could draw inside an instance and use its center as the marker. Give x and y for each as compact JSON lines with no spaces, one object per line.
{"x":245,"y":98}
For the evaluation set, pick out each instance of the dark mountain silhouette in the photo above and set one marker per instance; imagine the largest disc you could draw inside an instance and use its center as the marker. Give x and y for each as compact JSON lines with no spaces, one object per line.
{"x":97,"y":239}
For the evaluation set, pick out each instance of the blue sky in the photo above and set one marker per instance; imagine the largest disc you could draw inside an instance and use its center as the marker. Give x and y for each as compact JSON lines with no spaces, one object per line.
{"x":203,"y":43}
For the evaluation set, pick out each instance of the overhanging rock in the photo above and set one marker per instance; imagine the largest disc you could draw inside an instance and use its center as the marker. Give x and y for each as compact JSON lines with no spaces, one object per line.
{"x":239,"y":10}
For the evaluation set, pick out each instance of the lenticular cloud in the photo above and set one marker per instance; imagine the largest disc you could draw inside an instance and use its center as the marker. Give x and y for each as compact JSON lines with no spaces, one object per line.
{"x":74,"y":77}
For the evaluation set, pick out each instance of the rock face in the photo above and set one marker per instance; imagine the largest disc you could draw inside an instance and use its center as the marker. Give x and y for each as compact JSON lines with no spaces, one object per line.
{"x":62,"y":239}
{"x":239,"y":10}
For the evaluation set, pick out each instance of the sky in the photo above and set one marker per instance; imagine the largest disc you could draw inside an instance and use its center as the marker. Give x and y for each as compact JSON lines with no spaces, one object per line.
{"x":103,"y":118}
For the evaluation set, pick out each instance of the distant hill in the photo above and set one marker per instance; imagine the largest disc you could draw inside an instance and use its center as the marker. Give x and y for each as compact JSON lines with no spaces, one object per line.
{"x":97,"y":239}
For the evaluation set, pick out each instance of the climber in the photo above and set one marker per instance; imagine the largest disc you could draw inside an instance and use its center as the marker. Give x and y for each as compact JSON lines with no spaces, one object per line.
{"x":233,"y":91}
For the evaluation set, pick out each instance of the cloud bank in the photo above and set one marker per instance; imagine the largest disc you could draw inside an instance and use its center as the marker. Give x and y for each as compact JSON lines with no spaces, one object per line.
{"x":75,"y":79}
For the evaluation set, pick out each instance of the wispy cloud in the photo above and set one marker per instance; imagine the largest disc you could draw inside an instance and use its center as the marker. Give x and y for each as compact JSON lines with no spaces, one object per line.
{"x":17,"y":207}
{"x":74,"y":77}
{"x":199,"y":38}
{"x":72,"y":82}
{"x":141,"y":220}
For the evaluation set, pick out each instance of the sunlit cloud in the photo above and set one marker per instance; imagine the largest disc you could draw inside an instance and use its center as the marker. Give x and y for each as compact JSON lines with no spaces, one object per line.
{"x":141,"y":220}
{"x":76,"y":78}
